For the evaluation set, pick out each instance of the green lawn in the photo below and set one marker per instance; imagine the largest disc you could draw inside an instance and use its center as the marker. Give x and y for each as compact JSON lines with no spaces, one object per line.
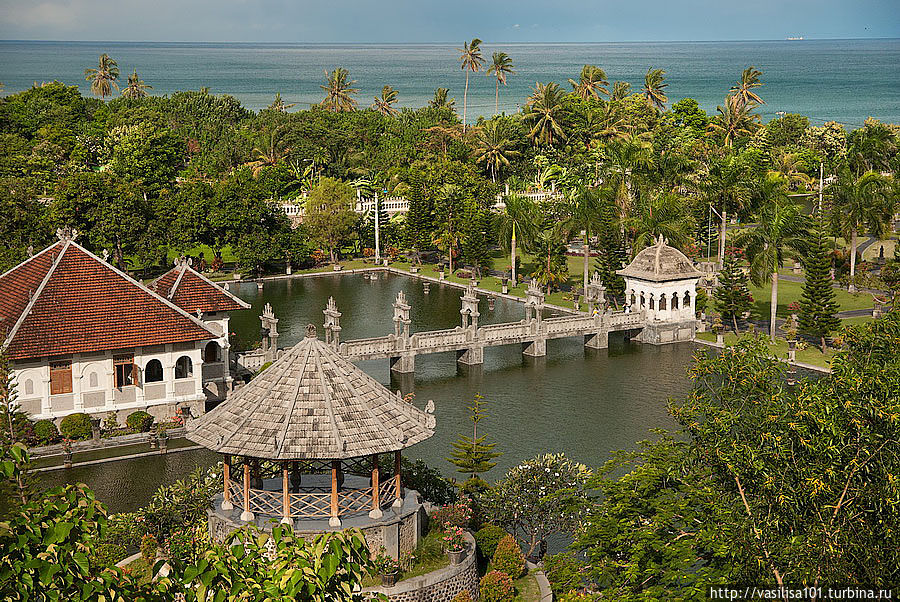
{"x":811,"y":355}
{"x":429,"y":556}
{"x":789,"y":292}
{"x":139,"y":569}
{"x":527,"y":589}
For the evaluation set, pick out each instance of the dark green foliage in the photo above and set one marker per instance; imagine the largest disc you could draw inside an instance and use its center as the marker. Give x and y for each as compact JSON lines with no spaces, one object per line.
{"x":487,"y":538}
{"x":508,"y":557}
{"x":45,"y":432}
{"x":429,"y":482}
{"x":139,"y":421}
{"x":818,"y":307}
{"x":76,"y":426}
{"x":564,"y":572}
{"x":183,"y":504}
{"x":149,"y":549}
{"x":105,"y":555}
{"x":733,"y":293}
{"x":610,"y":253}
{"x":472,"y":455}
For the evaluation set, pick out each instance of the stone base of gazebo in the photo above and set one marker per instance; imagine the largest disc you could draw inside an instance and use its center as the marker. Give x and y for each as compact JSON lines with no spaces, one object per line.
{"x":660,"y":333}
{"x":398,"y":530}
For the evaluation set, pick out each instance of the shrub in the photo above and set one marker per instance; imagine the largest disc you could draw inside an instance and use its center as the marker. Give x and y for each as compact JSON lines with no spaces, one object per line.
{"x":187,"y":546}
{"x":22,"y":427}
{"x":149,"y":547}
{"x":508,"y":558}
{"x":463,"y":596}
{"x":105,"y":555}
{"x":564,"y":572}
{"x":45,"y":432}
{"x":496,"y":587}
{"x":139,"y":421}
{"x":110,"y":423}
{"x":76,"y":426}
{"x":487,"y":538}
{"x":453,"y":515}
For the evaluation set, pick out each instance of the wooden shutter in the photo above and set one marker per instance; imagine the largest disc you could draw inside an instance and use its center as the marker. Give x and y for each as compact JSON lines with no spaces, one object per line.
{"x":60,"y":378}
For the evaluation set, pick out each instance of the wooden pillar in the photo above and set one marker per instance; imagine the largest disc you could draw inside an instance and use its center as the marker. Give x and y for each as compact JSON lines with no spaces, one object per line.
{"x":285,"y":496}
{"x":246,"y":515}
{"x":398,"y":503}
{"x":376,"y":512}
{"x":335,"y":520}
{"x":226,"y":477}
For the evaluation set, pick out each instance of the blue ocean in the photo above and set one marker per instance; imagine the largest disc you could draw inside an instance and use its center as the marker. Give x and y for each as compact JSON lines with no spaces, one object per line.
{"x":841,"y":80}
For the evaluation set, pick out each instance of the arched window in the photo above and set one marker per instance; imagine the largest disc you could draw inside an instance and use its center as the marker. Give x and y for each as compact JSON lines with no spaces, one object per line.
{"x":153,"y":373}
{"x":652,"y":305}
{"x":212,"y":353}
{"x":93,"y":380}
{"x":687,"y":299}
{"x":633,"y":300}
{"x":28,"y":386}
{"x":662,"y":301}
{"x":184,"y":368}
{"x":674,"y":300}
{"x":642,"y":298}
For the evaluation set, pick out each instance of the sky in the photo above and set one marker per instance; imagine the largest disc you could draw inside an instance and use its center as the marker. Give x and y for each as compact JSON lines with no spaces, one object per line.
{"x":388,"y":21}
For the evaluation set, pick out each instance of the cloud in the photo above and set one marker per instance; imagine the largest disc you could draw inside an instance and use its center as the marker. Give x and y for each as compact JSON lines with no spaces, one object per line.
{"x":516,"y":26}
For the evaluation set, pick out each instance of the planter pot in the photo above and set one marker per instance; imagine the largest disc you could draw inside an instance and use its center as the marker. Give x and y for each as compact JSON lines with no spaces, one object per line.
{"x":389,"y":580}
{"x":414,"y":270}
{"x":455,"y":556}
{"x":338,"y":268}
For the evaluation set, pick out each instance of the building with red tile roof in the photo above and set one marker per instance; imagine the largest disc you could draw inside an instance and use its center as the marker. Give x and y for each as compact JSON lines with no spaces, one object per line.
{"x":83,"y":336}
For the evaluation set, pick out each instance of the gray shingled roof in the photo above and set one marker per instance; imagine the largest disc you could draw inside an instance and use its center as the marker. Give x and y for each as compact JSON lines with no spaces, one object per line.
{"x":660,"y":263}
{"x":311,"y":404}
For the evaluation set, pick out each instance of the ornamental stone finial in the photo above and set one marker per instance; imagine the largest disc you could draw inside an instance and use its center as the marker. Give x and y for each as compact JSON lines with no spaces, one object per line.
{"x":66,"y":234}
{"x":310,"y":331}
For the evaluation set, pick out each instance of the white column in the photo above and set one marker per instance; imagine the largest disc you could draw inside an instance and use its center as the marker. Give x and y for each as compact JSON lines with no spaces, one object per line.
{"x":77,"y":373}
{"x":43,"y":385}
{"x":168,"y":363}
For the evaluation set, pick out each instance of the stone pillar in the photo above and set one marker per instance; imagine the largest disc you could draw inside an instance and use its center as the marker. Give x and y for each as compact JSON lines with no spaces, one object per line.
{"x":404,"y":363}
{"x":599,"y":340}
{"x":226,"y":478}
{"x":401,"y":317}
{"x":469,"y":311}
{"x":536,"y":348}
{"x":270,"y":333}
{"x":332,"y":324}
{"x":472,"y":356}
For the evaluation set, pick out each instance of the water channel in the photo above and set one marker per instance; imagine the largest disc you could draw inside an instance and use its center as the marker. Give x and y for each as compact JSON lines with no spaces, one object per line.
{"x":586,"y":403}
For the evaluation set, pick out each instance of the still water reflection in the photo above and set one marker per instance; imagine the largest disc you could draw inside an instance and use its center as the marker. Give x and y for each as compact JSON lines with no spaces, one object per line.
{"x":583,"y":402}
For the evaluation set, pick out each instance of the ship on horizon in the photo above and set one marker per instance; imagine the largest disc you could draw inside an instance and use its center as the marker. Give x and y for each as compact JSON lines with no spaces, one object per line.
{"x":795,"y":38}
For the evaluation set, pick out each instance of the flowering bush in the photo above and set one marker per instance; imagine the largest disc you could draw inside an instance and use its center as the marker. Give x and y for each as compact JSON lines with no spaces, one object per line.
{"x":457,"y":515}
{"x":487,"y":538}
{"x":463,"y":596}
{"x":187,"y":545}
{"x":508,"y":558}
{"x":496,"y":587}
{"x":149,"y":547}
{"x":385,"y":564}
{"x":454,"y":540}
{"x":368,"y":252}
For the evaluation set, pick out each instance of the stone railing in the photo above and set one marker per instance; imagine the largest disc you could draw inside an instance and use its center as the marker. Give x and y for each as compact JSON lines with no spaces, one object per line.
{"x":621,"y":319}
{"x":362,"y":347}
{"x":503,"y":331}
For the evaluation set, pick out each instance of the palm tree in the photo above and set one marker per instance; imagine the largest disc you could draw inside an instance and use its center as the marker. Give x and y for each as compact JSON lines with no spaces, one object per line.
{"x":103,"y":78}
{"x":866,"y":202}
{"x":591,"y":83}
{"x":517,"y":223}
{"x":583,"y":214}
{"x":606,"y":123}
{"x":279,"y":105}
{"x":653,"y":88}
{"x":733,"y":121}
{"x":790,"y":165}
{"x":501,"y":66}
{"x":545,"y":109}
{"x":384,"y":104}
{"x":470,"y":61}
{"x":726,"y":186}
{"x":662,"y":214}
{"x":136,"y":87}
{"x":744,"y":88}
{"x":626,"y":158}
{"x":270,"y":152}
{"x":338,"y":93}
{"x":440,"y":100}
{"x":781,"y":229}
{"x":620,"y":90}
{"x":494,"y":146}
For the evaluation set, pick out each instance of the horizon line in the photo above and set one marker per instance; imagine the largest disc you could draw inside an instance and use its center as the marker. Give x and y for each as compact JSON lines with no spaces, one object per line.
{"x":443,"y":43}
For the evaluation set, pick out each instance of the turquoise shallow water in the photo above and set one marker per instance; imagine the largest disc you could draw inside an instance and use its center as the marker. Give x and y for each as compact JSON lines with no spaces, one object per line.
{"x":843,"y":80}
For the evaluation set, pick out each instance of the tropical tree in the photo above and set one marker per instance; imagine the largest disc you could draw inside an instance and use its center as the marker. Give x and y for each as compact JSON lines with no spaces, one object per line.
{"x":329,"y":214}
{"x":591,"y":82}
{"x":494,"y":146}
{"x":606,"y":123}
{"x":470,"y":61}
{"x":448,"y":213}
{"x":270,"y":151}
{"x":136,"y":87}
{"x":790,"y":166}
{"x":726,"y":186}
{"x":583,"y":214}
{"x":384,"y":103}
{"x":516,"y":226}
{"x":654,"y":87}
{"x":733,"y":121}
{"x":279,"y":105}
{"x":473,"y":455}
{"x":818,"y":307}
{"x":440,"y":100}
{"x":338,"y":91}
{"x":861,"y":203}
{"x":663,"y":214}
{"x":781,"y":230}
{"x":103,"y":78}
{"x":732,"y":295}
{"x":626,"y":158}
{"x":620,"y":90}
{"x":501,"y":66}
{"x":743,"y":91}
{"x":546,"y":111}
{"x":552,"y":268}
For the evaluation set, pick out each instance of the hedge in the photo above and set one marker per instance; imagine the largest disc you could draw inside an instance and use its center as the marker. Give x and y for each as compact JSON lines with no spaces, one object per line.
{"x":139,"y":421}
{"x":76,"y":426}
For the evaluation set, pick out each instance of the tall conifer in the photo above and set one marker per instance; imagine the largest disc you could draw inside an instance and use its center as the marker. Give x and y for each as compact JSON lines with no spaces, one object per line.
{"x":817,"y":301}
{"x":471,"y":455}
{"x":732,"y":295}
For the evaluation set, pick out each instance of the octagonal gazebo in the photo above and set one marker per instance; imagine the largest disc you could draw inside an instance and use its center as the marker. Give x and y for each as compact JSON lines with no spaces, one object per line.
{"x":302,"y":441}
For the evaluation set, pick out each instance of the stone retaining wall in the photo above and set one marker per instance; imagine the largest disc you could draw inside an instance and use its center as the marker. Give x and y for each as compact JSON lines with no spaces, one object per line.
{"x":441,"y":585}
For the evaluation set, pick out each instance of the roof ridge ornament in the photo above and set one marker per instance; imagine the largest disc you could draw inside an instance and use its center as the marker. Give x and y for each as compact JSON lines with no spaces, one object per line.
{"x":311,"y":331}
{"x":66,"y":234}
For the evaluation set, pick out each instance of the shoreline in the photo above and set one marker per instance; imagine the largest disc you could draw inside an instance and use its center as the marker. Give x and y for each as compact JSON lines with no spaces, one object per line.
{"x":804,"y":365}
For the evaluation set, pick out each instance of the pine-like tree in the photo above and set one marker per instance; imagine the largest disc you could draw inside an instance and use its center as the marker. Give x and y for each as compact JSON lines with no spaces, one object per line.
{"x":610,"y":254}
{"x":817,"y":301}
{"x":475,"y":235}
{"x":419,"y":219}
{"x":471,"y":455}
{"x":732,"y":295}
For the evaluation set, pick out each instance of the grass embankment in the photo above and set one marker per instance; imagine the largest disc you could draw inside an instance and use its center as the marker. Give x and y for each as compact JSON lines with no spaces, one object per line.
{"x":429,"y":556}
{"x":527,"y":589}
{"x":811,"y":355}
{"x":140,"y":570}
{"x":790,"y":292}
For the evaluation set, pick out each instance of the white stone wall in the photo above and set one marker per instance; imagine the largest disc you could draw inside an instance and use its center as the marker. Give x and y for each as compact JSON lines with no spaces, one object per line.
{"x":93,"y":382}
{"x":654,"y":292}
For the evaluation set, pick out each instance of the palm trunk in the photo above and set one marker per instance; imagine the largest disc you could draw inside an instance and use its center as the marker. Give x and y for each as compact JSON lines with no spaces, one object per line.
{"x":722,"y":238}
{"x":587,"y":255}
{"x":823,"y":344}
{"x":465,"y":101}
{"x":853,"y":243}
{"x":774,"y":305}
{"x":497,"y":99}
{"x":451,"y":259}
{"x":512,"y":256}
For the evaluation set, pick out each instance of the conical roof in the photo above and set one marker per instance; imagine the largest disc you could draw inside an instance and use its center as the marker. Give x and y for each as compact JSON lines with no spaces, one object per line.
{"x":312,"y":404}
{"x":660,"y":263}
